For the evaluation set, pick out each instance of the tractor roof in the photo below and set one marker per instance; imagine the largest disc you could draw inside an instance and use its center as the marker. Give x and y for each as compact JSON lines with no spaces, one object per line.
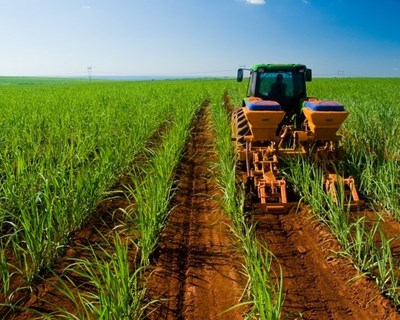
{"x":279,"y":67}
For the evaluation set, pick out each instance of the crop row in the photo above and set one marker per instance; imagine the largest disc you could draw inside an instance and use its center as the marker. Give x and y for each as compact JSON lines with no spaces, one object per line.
{"x":62,"y":148}
{"x":265,"y":289}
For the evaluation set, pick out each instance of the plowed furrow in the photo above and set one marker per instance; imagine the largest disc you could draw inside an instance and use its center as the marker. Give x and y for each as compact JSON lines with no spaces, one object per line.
{"x":318,"y":284}
{"x":196,"y":271}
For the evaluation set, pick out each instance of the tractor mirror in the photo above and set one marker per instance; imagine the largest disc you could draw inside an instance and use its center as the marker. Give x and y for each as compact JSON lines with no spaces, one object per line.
{"x":308,"y":75}
{"x":239,"y":75}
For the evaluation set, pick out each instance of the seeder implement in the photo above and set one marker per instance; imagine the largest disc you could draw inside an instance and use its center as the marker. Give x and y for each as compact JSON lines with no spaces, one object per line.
{"x":271,"y":189}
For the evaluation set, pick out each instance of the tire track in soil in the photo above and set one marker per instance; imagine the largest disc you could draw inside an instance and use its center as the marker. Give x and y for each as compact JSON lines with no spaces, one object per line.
{"x":196,"y":272}
{"x":317,"y":283}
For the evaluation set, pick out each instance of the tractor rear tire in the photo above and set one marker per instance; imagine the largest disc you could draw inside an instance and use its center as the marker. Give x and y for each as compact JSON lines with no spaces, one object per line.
{"x":240,"y":128}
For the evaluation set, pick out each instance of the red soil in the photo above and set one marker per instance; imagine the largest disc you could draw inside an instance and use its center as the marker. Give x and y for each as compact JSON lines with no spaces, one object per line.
{"x":197,"y":271}
{"x":318,"y":283}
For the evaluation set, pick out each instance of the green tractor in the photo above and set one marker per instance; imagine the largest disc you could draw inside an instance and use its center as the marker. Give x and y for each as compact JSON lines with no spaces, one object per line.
{"x":278,"y":120}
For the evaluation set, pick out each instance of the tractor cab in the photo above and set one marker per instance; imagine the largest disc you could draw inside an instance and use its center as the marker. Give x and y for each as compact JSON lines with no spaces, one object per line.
{"x":283,"y":83}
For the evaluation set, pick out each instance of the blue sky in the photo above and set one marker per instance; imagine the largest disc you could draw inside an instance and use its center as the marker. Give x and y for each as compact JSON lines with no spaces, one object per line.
{"x":198,"y":37}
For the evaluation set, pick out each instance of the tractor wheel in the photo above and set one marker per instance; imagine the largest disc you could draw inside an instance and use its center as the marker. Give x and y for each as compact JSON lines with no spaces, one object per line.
{"x":240,"y":128}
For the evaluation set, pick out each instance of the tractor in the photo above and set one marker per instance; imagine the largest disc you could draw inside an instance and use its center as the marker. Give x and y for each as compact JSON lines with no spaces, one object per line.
{"x":276,"y":120}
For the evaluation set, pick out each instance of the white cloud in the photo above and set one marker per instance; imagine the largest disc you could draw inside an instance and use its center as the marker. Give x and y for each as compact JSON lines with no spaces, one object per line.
{"x":85,"y":7}
{"x":306,"y":1}
{"x":256,"y":1}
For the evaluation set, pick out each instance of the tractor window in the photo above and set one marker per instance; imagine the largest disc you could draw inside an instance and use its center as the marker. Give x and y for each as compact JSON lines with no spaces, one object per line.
{"x":285,"y":84}
{"x":298,"y":84}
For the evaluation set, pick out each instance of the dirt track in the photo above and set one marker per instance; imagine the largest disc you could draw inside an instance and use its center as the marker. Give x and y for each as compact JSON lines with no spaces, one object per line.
{"x":318,"y":284}
{"x":197,"y":269}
